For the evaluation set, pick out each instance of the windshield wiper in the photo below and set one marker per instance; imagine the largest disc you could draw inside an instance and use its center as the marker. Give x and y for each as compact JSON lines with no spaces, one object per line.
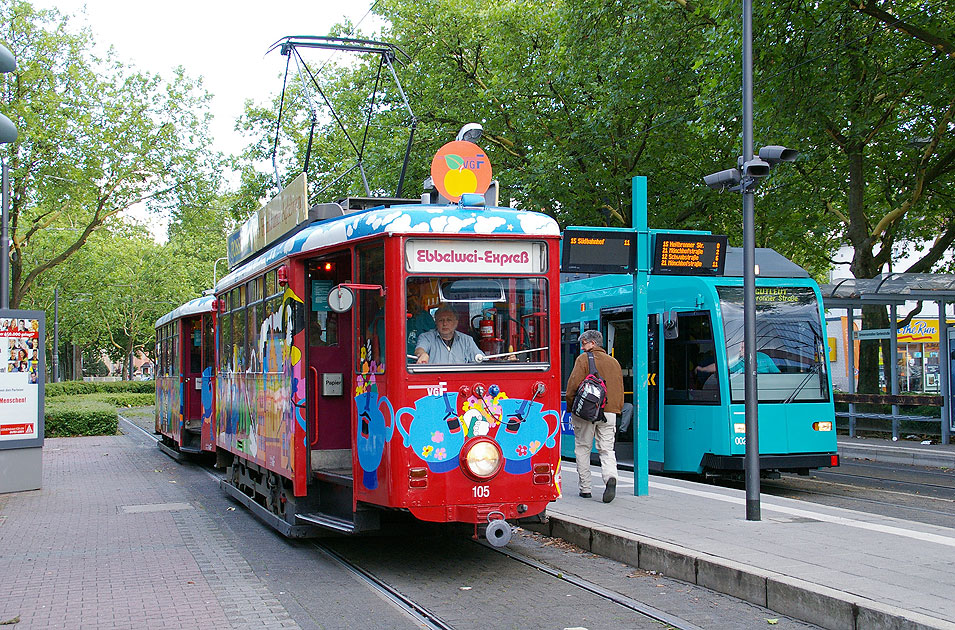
{"x":792,"y":396}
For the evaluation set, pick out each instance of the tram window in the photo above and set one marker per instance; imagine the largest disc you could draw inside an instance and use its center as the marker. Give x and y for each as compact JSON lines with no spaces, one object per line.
{"x":195,"y":345}
{"x":208,"y":341}
{"x":371,"y":309}
{"x":507,"y":318}
{"x":322,"y":321}
{"x":791,"y":354}
{"x":237,"y":329}
{"x":569,"y":349}
{"x":690,"y":362}
{"x":175,"y":352}
{"x":225,"y":342}
{"x":254,"y":314}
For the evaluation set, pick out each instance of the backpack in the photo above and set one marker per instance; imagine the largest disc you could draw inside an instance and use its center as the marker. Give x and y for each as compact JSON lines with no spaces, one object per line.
{"x":591,"y":395}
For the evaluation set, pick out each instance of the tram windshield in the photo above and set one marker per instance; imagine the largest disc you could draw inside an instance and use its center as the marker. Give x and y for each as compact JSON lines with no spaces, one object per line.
{"x":476,"y":323}
{"x":790,"y":350}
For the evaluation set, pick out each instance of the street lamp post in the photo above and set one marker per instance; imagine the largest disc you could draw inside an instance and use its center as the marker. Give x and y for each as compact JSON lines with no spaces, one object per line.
{"x":8,"y":134}
{"x":56,"y":334}
{"x":745,"y":178}
{"x":749,"y":278}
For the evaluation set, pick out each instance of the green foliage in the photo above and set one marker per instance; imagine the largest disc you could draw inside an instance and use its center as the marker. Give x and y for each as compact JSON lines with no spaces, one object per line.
{"x":76,"y":388}
{"x":68,"y":418}
{"x":128,"y":399}
{"x":97,"y":138}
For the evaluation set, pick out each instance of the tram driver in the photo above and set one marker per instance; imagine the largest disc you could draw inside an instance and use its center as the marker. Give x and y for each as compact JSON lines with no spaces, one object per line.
{"x":446,"y":344}
{"x":764,"y":364}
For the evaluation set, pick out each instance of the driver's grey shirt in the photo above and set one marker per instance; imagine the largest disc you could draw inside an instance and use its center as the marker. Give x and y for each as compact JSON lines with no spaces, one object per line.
{"x":462,"y":350}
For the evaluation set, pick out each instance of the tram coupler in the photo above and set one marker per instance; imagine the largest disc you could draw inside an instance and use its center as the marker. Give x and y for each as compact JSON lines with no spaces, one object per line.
{"x":498,"y":532}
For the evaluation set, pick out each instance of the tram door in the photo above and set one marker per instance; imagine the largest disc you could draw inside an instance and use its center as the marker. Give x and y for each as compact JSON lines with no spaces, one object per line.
{"x":619,"y":327}
{"x":192,"y":372}
{"x":619,"y":344}
{"x":330,"y":369}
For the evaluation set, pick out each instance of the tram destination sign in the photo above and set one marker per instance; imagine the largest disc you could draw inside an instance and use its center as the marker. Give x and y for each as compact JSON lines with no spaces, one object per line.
{"x":689,"y":254}
{"x":598,"y":251}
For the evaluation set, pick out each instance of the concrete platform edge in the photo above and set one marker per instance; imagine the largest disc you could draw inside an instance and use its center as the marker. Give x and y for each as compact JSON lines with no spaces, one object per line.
{"x":899,"y":455}
{"x":813,"y":603}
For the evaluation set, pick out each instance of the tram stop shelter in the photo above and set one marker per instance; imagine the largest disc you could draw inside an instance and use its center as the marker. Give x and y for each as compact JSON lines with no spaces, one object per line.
{"x":893,"y":289}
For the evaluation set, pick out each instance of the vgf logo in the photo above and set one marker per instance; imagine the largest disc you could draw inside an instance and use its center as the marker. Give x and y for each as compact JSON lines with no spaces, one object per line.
{"x":433,"y":390}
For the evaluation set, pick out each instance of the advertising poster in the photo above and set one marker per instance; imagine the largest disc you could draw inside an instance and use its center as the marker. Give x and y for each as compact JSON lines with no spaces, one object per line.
{"x":21,"y":370}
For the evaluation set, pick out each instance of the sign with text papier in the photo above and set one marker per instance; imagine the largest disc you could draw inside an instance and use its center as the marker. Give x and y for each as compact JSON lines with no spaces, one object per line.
{"x":469,"y":256}
{"x":22,"y":371}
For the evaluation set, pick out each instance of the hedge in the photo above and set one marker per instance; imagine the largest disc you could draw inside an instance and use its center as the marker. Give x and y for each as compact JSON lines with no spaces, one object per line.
{"x":68,"y":418}
{"x":128,"y":400}
{"x":73,"y":388}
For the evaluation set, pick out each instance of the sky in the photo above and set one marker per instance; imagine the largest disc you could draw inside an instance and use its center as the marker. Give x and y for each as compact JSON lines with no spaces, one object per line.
{"x":224,"y":42}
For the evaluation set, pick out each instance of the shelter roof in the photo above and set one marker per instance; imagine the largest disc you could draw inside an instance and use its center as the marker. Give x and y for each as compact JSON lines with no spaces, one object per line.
{"x":889,"y":288}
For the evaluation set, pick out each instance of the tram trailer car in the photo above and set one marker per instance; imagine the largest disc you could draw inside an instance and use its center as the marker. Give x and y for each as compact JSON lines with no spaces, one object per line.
{"x":185,"y":378}
{"x":322,"y":416}
{"x":700,"y":426}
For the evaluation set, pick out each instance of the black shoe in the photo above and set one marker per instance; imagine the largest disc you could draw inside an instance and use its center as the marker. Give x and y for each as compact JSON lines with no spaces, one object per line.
{"x":585,"y":495}
{"x":611,"y":490}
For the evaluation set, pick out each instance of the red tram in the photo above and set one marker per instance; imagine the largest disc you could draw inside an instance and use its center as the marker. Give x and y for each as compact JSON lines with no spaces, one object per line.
{"x":323,"y":414}
{"x":185,"y":382}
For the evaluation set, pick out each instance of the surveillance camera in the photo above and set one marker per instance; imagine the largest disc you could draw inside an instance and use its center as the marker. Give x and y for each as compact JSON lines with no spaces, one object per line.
{"x":774,"y":154}
{"x":756,"y":168}
{"x":723,"y":179}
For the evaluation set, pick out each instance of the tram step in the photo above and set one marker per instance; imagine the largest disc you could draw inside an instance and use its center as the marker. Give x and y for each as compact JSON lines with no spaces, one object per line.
{"x":282,"y":526}
{"x":328,"y":521}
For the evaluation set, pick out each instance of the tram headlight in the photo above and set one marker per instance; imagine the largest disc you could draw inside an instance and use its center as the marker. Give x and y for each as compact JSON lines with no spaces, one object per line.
{"x":481,"y":459}
{"x":822,"y":426}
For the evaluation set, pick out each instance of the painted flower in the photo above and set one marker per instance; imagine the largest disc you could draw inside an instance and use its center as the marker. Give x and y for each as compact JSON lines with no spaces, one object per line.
{"x":535,"y":446}
{"x":440,"y":454}
{"x":437,"y":437}
{"x":521,"y":450}
{"x":427,"y":450}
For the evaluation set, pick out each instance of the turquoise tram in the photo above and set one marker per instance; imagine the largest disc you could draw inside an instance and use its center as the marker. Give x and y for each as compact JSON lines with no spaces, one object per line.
{"x":695,"y":416}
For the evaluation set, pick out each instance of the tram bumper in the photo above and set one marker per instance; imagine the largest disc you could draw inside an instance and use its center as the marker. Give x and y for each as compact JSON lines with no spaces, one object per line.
{"x":792,"y":462}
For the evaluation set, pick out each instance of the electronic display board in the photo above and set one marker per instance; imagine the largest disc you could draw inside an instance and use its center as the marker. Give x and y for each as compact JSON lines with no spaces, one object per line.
{"x":598,"y":251}
{"x":689,"y":254}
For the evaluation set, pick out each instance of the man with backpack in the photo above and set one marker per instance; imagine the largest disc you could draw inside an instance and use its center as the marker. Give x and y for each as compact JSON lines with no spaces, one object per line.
{"x":607,"y":369}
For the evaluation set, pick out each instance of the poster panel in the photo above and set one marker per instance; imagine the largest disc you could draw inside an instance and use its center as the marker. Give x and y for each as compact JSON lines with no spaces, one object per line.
{"x":22,"y":376}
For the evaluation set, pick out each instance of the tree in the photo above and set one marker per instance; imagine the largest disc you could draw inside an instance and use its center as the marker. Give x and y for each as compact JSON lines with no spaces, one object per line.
{"x":865,"y":91}
{"x":96,"y":139}
{"x":115,"y":288}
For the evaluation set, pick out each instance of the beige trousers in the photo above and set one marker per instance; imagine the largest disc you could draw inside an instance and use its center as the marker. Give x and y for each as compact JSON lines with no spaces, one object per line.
{"x":585,"y":432}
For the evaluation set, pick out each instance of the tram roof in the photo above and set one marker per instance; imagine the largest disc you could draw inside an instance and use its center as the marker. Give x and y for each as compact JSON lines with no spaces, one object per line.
{"x":771,"y":264}
{"x":192,"y":307}
{"x":889,"y":288}
{"x":404,"y":219}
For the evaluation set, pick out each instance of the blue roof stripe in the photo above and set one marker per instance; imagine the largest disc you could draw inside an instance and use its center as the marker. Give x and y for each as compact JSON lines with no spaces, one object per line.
{"x":411,"y":219}
{"x":192,"y":307}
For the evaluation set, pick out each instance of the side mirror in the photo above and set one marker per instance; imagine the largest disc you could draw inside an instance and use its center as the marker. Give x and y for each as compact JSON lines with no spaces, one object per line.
{"x":341,"y":299}
{"x":670,"y":328}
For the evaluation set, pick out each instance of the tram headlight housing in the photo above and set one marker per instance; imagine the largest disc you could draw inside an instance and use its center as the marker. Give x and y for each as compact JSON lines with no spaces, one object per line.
{"x":481,"y":458}
{"x":822,"y":426}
